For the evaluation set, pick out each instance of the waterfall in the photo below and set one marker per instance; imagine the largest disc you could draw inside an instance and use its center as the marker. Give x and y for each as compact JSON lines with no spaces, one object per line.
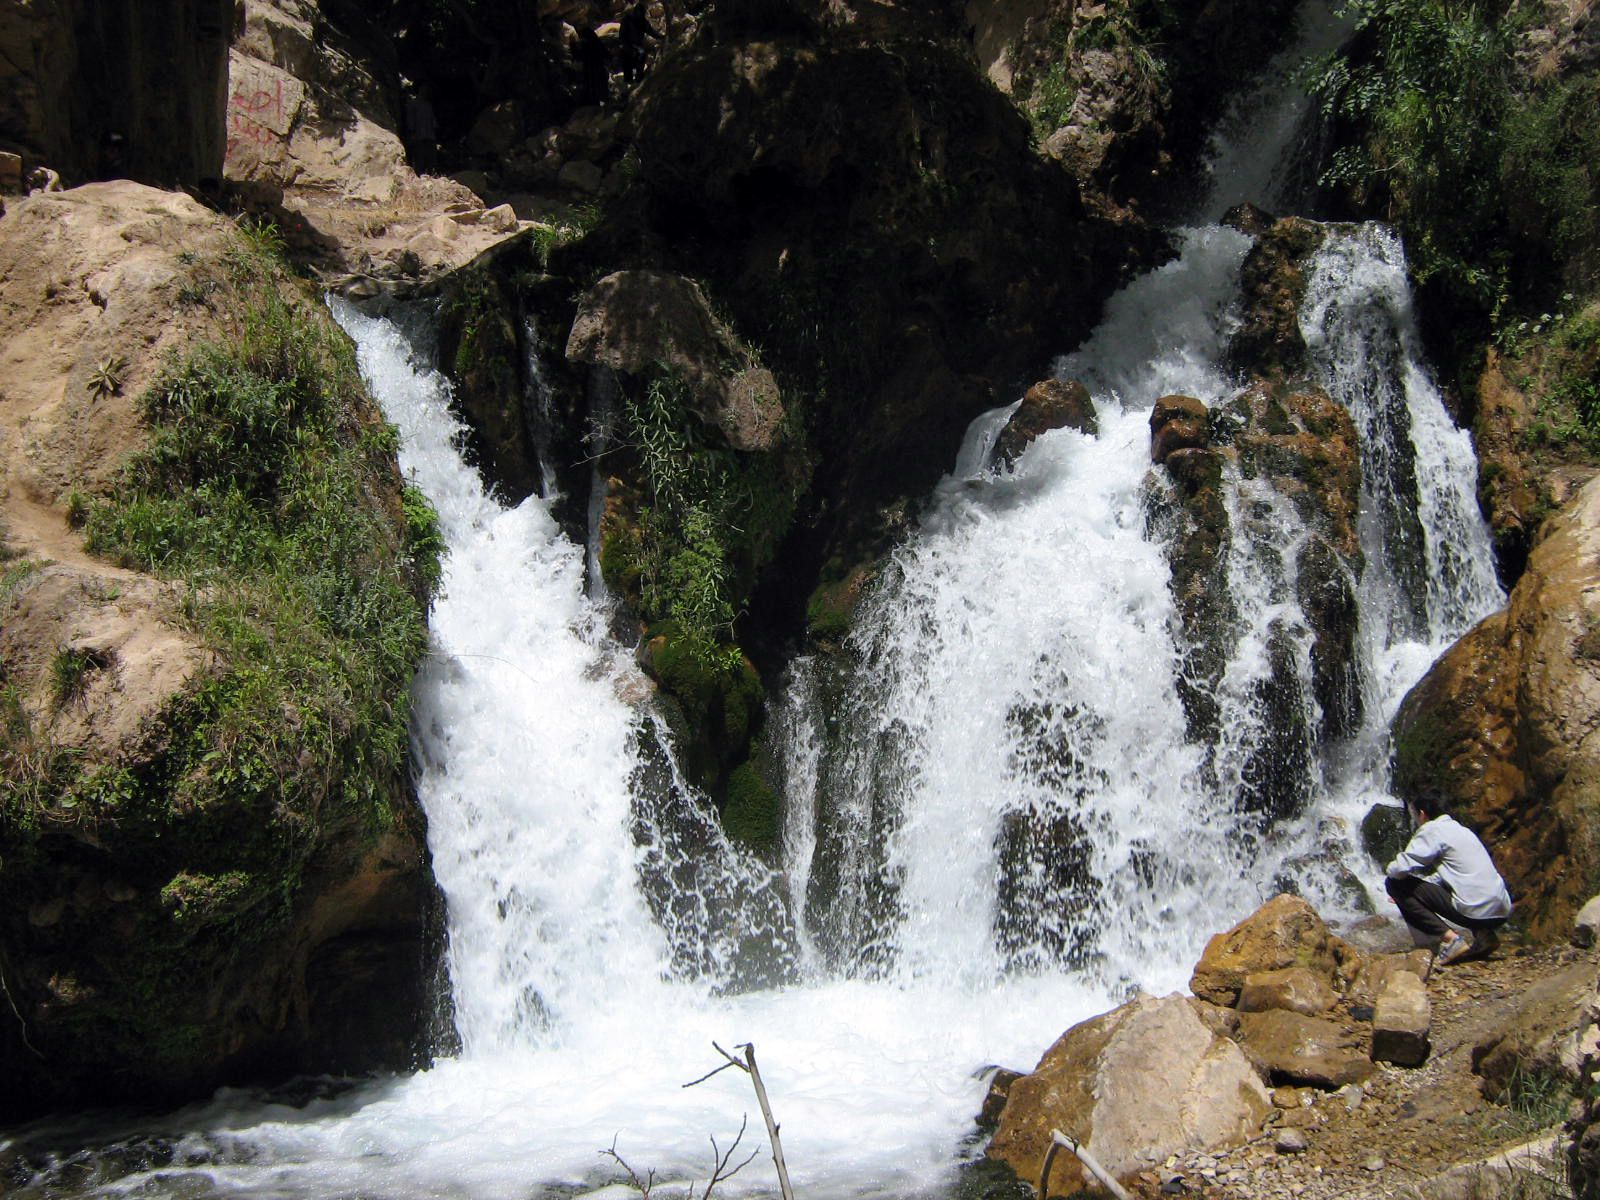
{"x":999,"y":818}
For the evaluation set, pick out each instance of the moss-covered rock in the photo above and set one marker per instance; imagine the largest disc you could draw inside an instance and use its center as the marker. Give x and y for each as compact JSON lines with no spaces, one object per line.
{"x":219,"y":880}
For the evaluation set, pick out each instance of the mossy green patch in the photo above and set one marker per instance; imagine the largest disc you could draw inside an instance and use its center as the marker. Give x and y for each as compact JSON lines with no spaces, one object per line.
{"x":752,"y":809}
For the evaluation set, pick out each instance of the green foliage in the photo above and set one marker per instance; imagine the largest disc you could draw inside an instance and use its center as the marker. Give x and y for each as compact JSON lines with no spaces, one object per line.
{"x":711,"y":517}
{"x":752,"y":809}
{"x":267,"y":485}
{"x":1491,"y":174}
{"x":106,"y":380}
{"x":1531,"y":1101}
{"x":69,"y":674}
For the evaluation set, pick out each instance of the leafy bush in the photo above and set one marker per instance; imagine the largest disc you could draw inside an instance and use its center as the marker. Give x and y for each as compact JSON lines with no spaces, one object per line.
{"x":1490,"y":172}
{"x":711,"y":517}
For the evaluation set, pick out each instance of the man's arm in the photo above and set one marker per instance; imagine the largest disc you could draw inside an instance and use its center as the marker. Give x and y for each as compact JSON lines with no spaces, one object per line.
{"x":1421,"y":852}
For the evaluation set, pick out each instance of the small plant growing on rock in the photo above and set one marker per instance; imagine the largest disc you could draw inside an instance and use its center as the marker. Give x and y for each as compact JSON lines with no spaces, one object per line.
{"x":107,"y":377}
{"x":69,"y":673}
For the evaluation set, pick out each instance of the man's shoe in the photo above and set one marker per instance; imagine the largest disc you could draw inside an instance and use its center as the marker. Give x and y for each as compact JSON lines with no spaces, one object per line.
{"x":1452,"y":948}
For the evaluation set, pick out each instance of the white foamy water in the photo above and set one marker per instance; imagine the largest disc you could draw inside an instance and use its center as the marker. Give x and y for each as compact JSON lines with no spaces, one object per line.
{"x":996,"y":822}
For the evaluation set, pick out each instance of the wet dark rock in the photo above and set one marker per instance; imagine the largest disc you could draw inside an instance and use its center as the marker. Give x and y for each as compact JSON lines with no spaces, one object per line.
{"x":1327,"y":597}
{"x":1048,"y":404}
{"x":1385,"y":830}
{"x":117,"y":91}
{"x":994,"y":1100}
{"x":1274,"y":282}
{"x":1177,"y":423}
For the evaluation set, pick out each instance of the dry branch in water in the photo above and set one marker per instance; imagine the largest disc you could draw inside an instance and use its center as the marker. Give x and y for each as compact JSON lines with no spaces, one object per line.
{"x":748,"y":1066}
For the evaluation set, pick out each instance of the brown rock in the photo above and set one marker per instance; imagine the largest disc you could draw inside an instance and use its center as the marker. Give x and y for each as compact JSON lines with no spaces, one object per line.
{"x":1273,"y":282}
{"x":1376,"y":972}
{"x":1048,"y":404}
{"x":1177,"y":423}
{"x":1401,"y":1021}
{"x":496,"y":129}
{"x":1499,"y":731}
{"x":1294,"y":1048}
{"x":1283,"y":932}
{"x":994,"y":1100}
{"x":638,"y":322}
{"x":1137,"y":1084}
{"x":1297,"y":989}
{"x":1541,"y":1035}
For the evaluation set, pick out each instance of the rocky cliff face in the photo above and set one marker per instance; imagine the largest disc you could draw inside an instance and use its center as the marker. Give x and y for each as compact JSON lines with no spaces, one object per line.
{"x":1501,"y":730}
{"x":113,"y":90}
{"x":212,"y":866}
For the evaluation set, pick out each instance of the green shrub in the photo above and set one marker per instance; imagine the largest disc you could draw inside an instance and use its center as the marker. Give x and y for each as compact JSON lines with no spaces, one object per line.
{"x":711,"y":517}
{"x":1490,"y":173}
{"x":268,"y":486}
{"x":751,"y":812}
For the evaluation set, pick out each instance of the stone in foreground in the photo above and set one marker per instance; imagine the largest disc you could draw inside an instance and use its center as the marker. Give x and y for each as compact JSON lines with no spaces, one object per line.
{"x":1401,"y":1021}
{"x":1135,"y":1085}
{"x":1292,"y":1048}
{"x":1296,"y":989}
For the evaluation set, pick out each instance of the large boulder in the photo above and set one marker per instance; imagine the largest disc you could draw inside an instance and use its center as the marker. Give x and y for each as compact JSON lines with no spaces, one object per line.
{"x":1134,"y":1085}
{"x":1284,"y":932}
{"x":643,"y":322}
{"x":1541,"y":1036}
{"x":1504,"y":730}
{"x":195,"y":888}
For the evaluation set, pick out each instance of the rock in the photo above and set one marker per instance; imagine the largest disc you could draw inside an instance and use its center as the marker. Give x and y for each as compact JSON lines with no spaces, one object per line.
{"x":1290,"y":1098}
{"x":589,"y":133}
{"x":10,"y":174}
{"x":203,"y":956}
{"x":1375,"y":1162}
{"x":1498,"y":732}
{"x":581,"y":176}
{"x":994,"y":1100}
{"x":502,"y":218}
{"x":1586,"y":923}
{"x":1297,"y":989}
{"x":1291,"y":1141}
{"x":1048,"y":404}
{"x":1401,"y":1021}
{"x":116,"y":92}
{"x":495,"y":130}
{"x":1283,"y":932}
{"x":1176,"y":423}
{"x":1518,"y":1172}
{"x":1353,"y":1095}
{"x":1273,"y":282}
{"x":638,"y":322}
{"x":473,"y":180}
{"x":1137,"y":1084}
{"x":1540,"y":1036}
{"x":1376,"y":972}
{"x":1292,"y":1047}
{"x":1385,"y":830}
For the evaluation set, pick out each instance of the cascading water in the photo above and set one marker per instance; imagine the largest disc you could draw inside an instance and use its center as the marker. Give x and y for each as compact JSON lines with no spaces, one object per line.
{"x":997,"y":819}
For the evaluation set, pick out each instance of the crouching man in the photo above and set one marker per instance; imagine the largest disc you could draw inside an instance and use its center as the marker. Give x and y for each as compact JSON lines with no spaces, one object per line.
{"x":1446,"y":875}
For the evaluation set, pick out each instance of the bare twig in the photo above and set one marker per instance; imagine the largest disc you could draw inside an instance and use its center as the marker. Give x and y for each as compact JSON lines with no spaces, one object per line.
{"x":1058,"y":1141}
{"x":720,"y":1171}
{"x":642,"y":1186}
